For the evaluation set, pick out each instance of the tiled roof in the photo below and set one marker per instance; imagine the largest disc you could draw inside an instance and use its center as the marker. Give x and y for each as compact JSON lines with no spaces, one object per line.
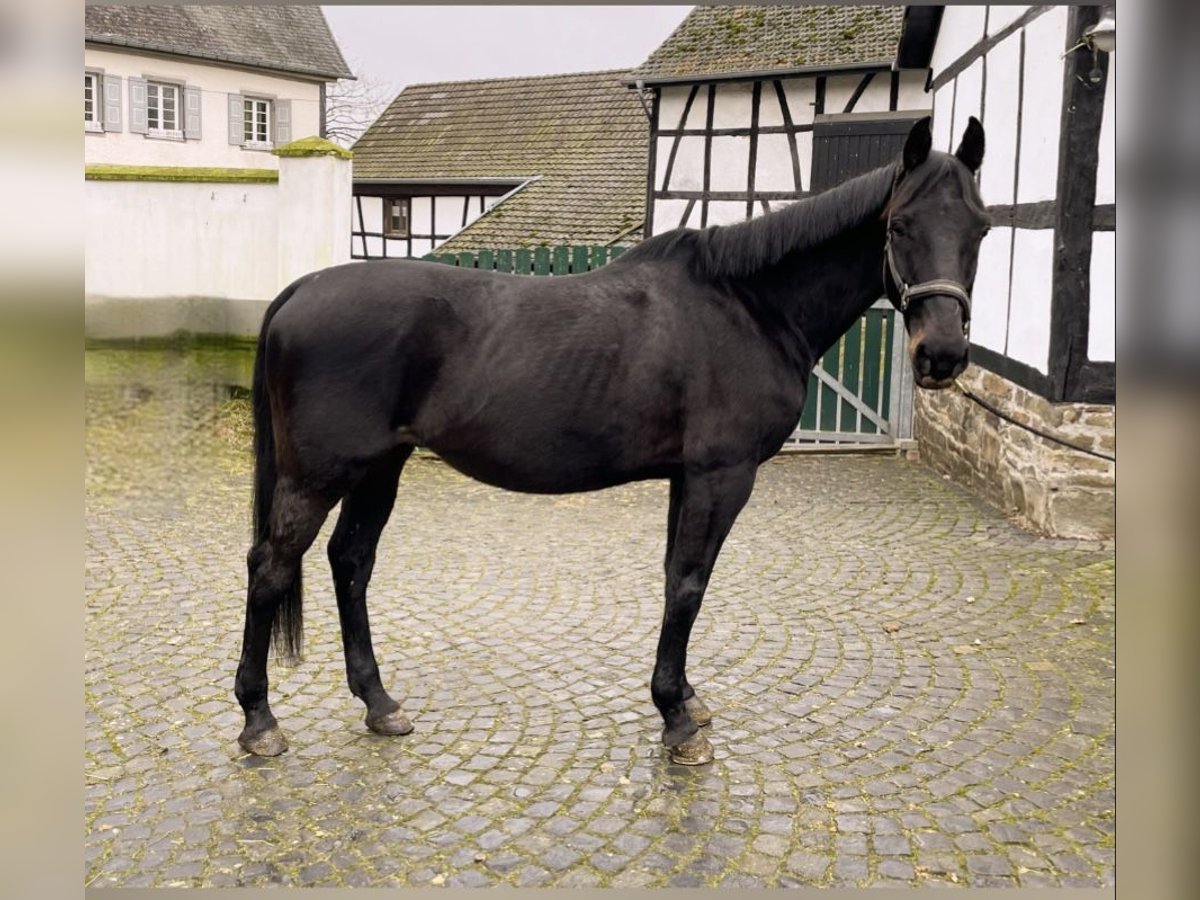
{"x":582,"y":136}
{"x":292,"y":39}
{"x":716,"y":41}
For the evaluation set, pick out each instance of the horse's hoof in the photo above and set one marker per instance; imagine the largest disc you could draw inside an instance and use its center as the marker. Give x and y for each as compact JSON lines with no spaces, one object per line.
{"x":695,"y":751}
{"x":695,"y":708}
{"x":393,"y":723}
{"x":266,"y":743}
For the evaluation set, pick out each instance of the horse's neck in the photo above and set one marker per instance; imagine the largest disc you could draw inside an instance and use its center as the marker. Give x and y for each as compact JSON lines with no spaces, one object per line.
{"x":821,"y":293}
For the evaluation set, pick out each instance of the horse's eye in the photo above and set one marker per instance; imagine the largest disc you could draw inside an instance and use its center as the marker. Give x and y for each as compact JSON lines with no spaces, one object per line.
{"x":898,"y":229}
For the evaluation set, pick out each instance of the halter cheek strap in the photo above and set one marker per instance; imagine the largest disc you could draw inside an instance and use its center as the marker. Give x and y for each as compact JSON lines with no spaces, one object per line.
{"x":936,"y":286}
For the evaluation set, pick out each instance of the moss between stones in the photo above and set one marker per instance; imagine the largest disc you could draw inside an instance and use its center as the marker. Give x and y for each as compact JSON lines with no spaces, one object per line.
{"x":110,"y":172}
{"x":313,"y":146}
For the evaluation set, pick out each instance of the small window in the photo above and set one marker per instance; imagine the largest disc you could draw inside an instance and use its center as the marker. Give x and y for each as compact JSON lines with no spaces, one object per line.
{"x":92,"y":118}
{"x":395,"y":217}
{"x":256,"y":121}
{"x":162,"y":110}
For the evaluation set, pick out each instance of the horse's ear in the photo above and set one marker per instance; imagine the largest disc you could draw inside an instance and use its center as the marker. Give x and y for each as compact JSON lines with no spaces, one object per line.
{"x":970,"y":151}
{"x":916,"y":148}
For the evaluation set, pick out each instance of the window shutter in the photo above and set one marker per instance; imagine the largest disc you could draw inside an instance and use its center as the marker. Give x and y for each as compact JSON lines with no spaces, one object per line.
{"x":112,"y":102}
{"x":137,"y":105}
{"x":283,"y":122}
{"x":236,"y":134}
{"x":191,"y":113}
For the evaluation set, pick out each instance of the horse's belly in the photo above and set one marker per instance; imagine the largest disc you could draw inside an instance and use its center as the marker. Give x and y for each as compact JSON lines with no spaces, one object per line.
{"x":540,"y":473}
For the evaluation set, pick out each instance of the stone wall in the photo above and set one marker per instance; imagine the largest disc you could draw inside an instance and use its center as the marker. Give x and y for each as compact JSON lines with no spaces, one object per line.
{"x":1047,"y":486}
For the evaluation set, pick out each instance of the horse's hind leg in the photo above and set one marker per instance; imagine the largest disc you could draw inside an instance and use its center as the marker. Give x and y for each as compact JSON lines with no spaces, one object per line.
{"x":708,"y":504}
{"x":365,"y":511}
{"x":274,"y":564}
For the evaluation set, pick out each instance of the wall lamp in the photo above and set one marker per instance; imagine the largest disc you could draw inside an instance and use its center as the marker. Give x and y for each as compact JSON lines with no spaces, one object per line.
{"x":1098,"y":38}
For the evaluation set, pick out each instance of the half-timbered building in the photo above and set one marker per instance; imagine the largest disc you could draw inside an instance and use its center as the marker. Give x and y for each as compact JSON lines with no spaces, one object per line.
{"x":754,"y":107}
{"x":1032,"y":428}
{"x":501,"y":164}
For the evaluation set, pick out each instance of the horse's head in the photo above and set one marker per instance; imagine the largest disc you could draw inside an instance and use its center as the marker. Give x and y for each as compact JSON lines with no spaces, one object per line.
{"x":935,"y":223}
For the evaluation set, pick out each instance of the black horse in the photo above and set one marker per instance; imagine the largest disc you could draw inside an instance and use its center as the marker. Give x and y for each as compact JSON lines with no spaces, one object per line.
{"x":686,"y":359}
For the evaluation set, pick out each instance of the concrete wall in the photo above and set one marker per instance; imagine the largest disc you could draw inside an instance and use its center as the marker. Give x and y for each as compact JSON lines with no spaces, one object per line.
{"x":1046,"y":486}
{"x":216,"y":83}
{"x":163,"y":257}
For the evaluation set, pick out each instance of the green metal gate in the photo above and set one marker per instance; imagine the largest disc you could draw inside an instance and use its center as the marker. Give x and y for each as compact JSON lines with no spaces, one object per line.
{"x":856,"y":395}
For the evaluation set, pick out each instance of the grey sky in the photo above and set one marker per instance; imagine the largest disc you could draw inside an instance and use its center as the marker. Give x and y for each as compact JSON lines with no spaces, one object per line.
{"x":402,"y":45}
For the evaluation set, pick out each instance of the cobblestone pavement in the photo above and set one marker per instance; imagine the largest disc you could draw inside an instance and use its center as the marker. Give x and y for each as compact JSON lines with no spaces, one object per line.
{"x":907,"y":689}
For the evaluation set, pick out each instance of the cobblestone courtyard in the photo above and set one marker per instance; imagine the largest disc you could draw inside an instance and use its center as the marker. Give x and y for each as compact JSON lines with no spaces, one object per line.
{"x":906,"y":688}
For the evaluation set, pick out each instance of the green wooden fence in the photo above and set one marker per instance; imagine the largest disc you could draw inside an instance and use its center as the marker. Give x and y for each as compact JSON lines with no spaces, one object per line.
{"x":853,"y":393}
{"x":560,"y":260}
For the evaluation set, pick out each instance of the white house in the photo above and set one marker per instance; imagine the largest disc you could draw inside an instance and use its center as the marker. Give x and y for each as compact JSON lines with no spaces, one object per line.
{"x":1040,"y":78}
{"x":217,"y":86}
{"x":190,"y":221}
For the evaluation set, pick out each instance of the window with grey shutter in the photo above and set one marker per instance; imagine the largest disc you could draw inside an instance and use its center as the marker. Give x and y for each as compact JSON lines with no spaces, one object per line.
{"x":112,"y":103}
{"x":191,"y":113}
{"x":236,"y":136}
{"x":137,"y":105}
{"x":283,"y":122}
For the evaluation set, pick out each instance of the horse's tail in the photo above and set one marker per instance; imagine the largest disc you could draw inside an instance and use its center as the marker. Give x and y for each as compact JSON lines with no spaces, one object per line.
{"x":287,"y":627}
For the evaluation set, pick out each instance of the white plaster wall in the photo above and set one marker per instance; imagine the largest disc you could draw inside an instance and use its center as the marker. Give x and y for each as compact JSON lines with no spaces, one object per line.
{"x":1102,"y":312}
{"x":912,"y":93}
{"x":1029,"y":322}
{"x":1042,"y":107}
{"x":801,"y":94}
{"x":769,"y":112}
{"x":989,"y":298}
{"x":943,"y":119}
{"x":314,"y":217}
{"x":999,"y":17}
{"x":671,"y":101}
{"x":1000,"y":123}
{"x":372,"y":213}
{"x":969,"y":102}
{"x":730,"y":164}
{"x":726,"y":212}
{"x":217,"y":82}
{"x":688,"y":172}
{"x":421,"y":213}
{"x":961,"y":29}
{"x":169,"y":239}
{"x":733,"y":104}
{"x":773,"y":168}
{"x":667,"y":215}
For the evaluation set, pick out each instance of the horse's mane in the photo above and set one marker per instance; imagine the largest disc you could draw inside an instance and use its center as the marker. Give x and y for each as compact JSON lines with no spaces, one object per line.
{"x":748,"y":247}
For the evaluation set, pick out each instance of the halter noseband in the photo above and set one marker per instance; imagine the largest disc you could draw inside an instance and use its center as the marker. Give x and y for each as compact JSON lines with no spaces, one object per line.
{"x":909,"y":292}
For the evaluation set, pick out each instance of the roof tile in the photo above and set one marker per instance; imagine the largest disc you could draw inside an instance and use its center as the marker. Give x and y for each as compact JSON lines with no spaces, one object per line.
{"x":731,"y":40}
{"x":583,"y":137}
{"x":285,"y":38}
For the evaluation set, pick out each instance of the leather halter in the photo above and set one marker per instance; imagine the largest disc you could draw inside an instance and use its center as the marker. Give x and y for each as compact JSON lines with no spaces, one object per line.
{"x":925,"y":288}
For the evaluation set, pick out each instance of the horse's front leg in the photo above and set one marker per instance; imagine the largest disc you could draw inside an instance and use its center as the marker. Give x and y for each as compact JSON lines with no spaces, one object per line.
{"x":696,"y":707}
{"x":704,"y":507}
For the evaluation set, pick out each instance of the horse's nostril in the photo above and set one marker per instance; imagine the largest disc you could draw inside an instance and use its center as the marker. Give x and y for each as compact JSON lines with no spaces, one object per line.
{"x":921,"y":360}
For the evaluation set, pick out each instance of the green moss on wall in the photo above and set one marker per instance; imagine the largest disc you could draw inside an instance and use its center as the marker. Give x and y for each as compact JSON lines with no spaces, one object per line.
{"x":313,"y":146}
{"x":109,"y":172}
